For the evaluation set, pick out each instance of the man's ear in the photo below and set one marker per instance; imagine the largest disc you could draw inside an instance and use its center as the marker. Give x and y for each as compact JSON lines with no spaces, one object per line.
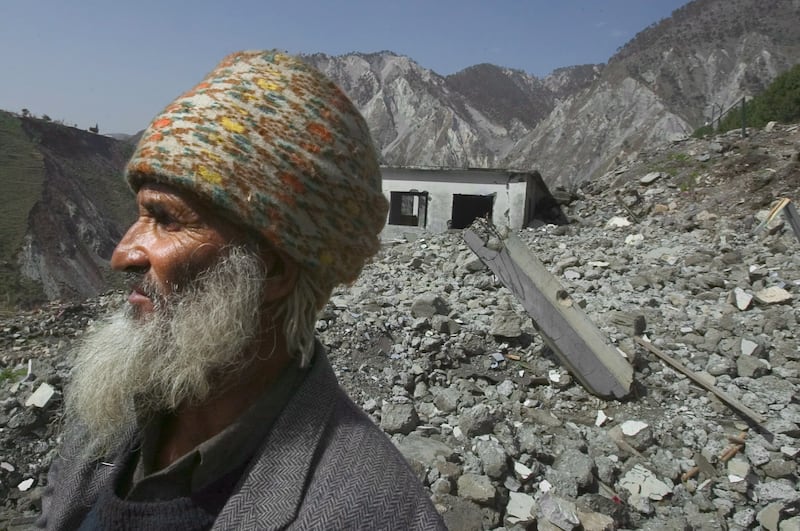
{"x":282,"y":273}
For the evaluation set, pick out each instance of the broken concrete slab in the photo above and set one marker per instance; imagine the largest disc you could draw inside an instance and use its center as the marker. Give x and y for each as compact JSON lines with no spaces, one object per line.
{"x":565,"y":328}
{"x":642,"y":482}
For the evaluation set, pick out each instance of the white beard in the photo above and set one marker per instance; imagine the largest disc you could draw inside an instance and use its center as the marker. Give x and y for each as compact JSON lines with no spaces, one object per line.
{"x":183,"y":353}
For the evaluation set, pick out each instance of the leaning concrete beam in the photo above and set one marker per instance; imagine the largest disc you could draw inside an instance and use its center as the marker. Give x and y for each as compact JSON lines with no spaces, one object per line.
{"x":794,"y":219}
{"x":565,"y":328}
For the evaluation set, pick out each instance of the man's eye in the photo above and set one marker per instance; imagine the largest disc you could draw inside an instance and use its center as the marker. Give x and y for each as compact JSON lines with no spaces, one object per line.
{"x":168,"y":222}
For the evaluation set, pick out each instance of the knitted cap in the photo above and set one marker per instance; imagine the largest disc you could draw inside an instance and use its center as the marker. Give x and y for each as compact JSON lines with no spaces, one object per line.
{"x":274,"y":144}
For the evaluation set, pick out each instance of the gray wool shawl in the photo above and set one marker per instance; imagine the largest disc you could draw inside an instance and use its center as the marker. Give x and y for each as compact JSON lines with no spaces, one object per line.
{"x":324,"y":465}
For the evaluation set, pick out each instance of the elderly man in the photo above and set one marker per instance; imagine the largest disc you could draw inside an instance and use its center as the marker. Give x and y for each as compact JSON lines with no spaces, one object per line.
{"x":206,"y":402}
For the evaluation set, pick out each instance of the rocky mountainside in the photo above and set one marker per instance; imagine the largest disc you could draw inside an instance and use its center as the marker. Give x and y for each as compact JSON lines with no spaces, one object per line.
{"x":578,"y":121}
{"x":65,"y":206}
{"x":472,"y":118}
{"x":446,"y":361}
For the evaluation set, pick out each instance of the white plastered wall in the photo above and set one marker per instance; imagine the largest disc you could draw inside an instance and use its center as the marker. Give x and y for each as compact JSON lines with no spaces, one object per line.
{"x":509,"y":194}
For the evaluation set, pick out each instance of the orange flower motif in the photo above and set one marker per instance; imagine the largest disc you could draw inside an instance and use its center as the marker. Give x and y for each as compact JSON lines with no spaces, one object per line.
{"x":162,"y":123}
{"x":292,"y":182}
{"x":320,"y":132}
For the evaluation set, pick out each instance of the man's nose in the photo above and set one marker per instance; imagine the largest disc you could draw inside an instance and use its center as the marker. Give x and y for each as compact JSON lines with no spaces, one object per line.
{"x":129,"y":256}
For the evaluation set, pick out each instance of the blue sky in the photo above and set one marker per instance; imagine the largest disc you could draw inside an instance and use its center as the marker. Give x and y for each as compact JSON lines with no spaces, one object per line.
{"x":118,"y":63}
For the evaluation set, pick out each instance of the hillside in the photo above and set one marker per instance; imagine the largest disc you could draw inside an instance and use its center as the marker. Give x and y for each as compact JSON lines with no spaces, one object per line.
{"x":65,"y":206}
{"x":483,"y":410}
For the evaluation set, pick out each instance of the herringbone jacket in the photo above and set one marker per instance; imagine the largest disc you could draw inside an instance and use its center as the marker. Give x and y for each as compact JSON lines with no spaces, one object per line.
{"x":324,"y":465}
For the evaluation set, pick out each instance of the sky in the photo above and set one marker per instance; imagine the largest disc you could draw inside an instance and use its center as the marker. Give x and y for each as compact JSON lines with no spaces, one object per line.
{"x":118,"y":63}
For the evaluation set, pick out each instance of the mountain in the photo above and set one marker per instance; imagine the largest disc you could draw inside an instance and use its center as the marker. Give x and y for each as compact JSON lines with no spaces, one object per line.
{"x":581,"y":121}
{"x":469,"y":119}
{"x":64,"y":205}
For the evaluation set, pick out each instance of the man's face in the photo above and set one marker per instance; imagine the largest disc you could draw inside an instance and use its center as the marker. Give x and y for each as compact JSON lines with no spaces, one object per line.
{"x":175,"y":238}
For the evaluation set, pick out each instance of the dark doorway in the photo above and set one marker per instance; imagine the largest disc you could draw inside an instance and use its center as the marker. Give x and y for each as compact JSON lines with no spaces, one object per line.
{"x":408,"y":208}
{"x":466,"y":208}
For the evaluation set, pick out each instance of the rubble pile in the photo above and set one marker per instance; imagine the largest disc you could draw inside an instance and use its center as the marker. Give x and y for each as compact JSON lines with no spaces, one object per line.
{"x":447,"y":362}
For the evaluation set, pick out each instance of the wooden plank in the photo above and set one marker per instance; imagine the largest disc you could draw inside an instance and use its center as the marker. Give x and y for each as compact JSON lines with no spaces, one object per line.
{"x":579,"y":345}
{"x":722,"y":395}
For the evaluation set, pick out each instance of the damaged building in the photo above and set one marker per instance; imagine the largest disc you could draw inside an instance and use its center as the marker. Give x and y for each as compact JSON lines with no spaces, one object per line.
{"x":435,"y":200}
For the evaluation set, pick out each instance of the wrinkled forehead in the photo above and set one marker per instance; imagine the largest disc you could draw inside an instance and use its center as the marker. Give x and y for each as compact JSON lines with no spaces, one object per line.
{"x":194,"y":209}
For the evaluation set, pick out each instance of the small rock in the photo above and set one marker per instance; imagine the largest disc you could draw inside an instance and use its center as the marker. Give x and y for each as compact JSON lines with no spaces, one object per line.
{"x":769,"y":516}
{"x":522,"y":471}
{"x":476,"y":488}
{"x":41,"y":396}
{"x":631,"y":428}
{"x":751,"y":348}
{"x":423,"y":449}
{"x":520,"y":509}
{"x":493,"y":457}
{"x":398,"y":418}
{"x":739,"y":468}
{"x":506,"y":323}
{"x":778,"y":490}
{"x":428,"y":305}
{"x":742,"y":299}
{"x":650,"y":178}
{"x":780,"y":468}
{"x":596,"y":521}
{"x":477,"y":420}
{"x":773,"y":295}
{"x":750,"y":367}
{"x":744,"y":518}
{"x":616,"y":222}
{"x":446,"y":400}
{"x":790,"y":524}
{"x":558,"y":511}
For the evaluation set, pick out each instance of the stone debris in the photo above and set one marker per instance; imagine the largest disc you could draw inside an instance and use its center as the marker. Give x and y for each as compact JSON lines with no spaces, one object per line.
{"x":25,"y":485}
{"x":557,"y":511}
{"x":773,"y":295}
{"x":650,"y":178}
{"x":492,"y":422}
{"x":630,"y":428}
{"x":520,"y":509}
{"x":41,"y":396}
{"x":617,"y":222}
{"x":640,"y":481}
{"x":742,"y":299}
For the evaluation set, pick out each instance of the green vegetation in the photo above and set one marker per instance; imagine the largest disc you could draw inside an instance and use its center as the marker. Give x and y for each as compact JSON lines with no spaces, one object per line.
{"x":9,"y":375}
{"x":780,"y":102}
{"x":21,"y":178}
